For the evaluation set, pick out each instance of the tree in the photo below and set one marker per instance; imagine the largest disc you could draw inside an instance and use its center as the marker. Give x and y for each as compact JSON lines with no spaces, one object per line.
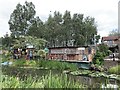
{"x":77,"y":33}
{"x":37,"y":28}
{"x":21,"y":19}
{"x":50,"y":31}
{"x":53,"y":29}
{"x":6,"y":41}
{"x":58,"y":30}
{"x":67,"y":30}
{"x":97,"y":37}
{"x":67,"y":27}
{"x":89,"y":30}
{"x":22,"y":42}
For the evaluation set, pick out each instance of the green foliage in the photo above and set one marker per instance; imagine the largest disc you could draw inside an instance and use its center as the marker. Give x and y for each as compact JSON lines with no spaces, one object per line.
{"x":21,"y":19}
{"x":114,"y":70}
{"x":62,"y":81}
{"x":41,"y":53}
{"x":104,"y":49}
{"x":4,"y":59}
{"x":23,"y":62}
{"x":6,"y":56}
{"x":97,"y":38}
{"x":46,"y":64}
{"x":98,"y":58}
{"x":15,"y":82}
{"x":37,"y":28}
{"x":6,"y":41}
{"x":19,"y":62}
{"x":102,"y":52}
{"x":58,"y":30}
{"x":57,"y":65}
{"x":72,"y":30}
{"x":22,"y":42}
{"x":47,"y":81}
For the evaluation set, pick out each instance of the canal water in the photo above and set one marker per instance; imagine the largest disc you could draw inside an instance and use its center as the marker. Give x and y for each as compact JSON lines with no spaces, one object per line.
{"x":94,"y":82}
{"x":85,"y":80}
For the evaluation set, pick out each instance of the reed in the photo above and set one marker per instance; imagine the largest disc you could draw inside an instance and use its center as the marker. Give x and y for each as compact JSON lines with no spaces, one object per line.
{"x":47,"y":81}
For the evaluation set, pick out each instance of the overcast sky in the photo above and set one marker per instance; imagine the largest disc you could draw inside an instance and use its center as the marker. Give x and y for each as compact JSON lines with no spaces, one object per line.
{"x":105,"y":12}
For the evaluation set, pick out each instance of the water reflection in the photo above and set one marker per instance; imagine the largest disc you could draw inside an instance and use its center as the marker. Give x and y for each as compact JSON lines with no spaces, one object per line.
{"x":94,"y":82}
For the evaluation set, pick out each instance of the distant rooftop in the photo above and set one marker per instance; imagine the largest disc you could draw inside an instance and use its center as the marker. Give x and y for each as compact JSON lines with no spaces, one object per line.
{"x":108,"y":38}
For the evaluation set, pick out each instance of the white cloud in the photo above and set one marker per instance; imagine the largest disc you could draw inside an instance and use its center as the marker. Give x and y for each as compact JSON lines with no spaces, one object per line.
{"x":105,"y":12}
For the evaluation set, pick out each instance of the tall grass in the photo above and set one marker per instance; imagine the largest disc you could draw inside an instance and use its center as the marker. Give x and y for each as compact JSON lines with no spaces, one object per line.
{"x":47,"y":81}
{"x":115,"y":70}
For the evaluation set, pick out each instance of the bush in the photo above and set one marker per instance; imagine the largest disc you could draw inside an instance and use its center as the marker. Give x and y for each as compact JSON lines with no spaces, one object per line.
{"x":104,"y":49}
{"x":98,"y":58}
{"x":56,"y":65}
{"x":114,"y":70}
{"x":22,"y":62}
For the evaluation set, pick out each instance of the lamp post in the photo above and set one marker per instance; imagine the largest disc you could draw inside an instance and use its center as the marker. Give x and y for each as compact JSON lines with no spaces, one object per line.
{"x":119,"y":27}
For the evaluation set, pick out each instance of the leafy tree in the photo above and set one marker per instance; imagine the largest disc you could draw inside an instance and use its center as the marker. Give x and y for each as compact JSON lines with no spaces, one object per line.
{"x":53,"y":29}
{"x":104,"y":49}
{"x":21,"y":19}
{"x":77,"y":34}
{"x":50,"y":31}
{"x":97,"y":37}
{"x":67,"y":27}
{"x":6,"y":41}
{"x":36,"y":28}
{"x":89,"y":30}
{"x":22,"y":42}
{"x":58,"y":30}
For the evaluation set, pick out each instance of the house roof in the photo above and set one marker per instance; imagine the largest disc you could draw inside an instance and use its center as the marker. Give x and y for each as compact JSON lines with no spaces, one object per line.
{"x":108,"y":38}
{"x":66,"y":47}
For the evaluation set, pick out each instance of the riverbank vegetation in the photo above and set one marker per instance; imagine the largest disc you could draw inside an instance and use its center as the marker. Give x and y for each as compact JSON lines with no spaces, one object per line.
{"x":46,"y":64}
{"x":114,"y":70}
{"x":47,"y":81}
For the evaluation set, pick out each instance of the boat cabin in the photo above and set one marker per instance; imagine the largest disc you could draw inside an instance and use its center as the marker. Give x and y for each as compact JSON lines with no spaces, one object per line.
{"x":83,"y":53}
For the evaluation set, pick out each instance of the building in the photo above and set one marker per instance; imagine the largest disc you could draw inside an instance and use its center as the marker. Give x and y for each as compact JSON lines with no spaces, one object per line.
{"x":85,"y":53}
{"x":112,"y":42}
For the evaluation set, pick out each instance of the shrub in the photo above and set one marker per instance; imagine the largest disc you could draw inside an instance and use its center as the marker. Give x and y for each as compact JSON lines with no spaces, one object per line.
{"x":57,"y":65}
{"x":22,"y":62}
{"x":98,"y":58}
{"x":114,"y":70}
{"x":104,"y":49}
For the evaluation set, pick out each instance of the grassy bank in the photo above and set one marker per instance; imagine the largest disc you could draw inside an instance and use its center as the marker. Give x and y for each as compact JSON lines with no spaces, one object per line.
{"x":45,"y":64}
